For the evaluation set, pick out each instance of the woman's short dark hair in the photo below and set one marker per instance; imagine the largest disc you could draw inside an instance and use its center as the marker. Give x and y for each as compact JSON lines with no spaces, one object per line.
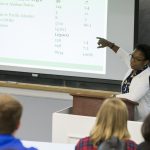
{"x":145,"y":49}
{"x":146,"y":128}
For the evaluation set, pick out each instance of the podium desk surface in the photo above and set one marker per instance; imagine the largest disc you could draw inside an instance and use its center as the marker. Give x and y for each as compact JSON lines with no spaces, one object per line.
{"x":101,"y":95}
{"x":48,"y":146}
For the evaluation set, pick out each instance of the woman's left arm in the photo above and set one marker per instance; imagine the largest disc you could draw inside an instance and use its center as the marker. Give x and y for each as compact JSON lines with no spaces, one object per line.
{"x":137,"y":90}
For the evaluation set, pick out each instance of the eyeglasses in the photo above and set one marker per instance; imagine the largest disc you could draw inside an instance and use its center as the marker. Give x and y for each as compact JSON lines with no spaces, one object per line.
{"x":136,"y":59}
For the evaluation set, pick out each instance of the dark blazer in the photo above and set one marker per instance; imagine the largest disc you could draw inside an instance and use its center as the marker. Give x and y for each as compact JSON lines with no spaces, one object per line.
{"x":144,"y":146}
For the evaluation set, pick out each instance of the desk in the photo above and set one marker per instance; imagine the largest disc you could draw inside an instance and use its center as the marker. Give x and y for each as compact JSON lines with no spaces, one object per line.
{"x":88,"y":104}
{"x":69,"y":128}
{"x":48,"y":146}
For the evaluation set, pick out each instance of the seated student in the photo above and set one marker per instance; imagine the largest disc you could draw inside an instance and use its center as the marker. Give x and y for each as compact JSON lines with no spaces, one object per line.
{"x":146,"y":134}
{"x":10,"y":114}
{"x":111,"y":121}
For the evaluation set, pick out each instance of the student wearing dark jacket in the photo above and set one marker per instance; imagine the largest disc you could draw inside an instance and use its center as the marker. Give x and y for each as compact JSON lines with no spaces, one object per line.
{"x":146,"y":134}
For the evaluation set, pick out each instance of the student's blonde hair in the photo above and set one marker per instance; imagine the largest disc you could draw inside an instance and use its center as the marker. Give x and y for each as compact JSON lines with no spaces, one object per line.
{"x":111,"y":121}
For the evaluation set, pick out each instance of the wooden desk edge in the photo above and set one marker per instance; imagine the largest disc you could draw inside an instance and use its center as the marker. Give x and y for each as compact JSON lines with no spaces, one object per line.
{"x":70,"y":90}
{"x":42,"y":87}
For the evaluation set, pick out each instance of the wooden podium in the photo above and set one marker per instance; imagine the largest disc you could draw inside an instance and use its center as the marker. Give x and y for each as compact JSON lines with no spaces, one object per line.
{"x":86,"y":104}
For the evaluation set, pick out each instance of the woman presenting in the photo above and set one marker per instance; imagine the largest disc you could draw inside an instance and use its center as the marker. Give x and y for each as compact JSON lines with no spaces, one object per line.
{"x":135,"y":85}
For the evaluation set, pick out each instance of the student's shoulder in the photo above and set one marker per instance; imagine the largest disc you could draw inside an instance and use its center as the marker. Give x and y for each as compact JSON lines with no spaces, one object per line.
{"x":85,"y":144}
{"x":86,"y":140}
{"x":131,"y":145}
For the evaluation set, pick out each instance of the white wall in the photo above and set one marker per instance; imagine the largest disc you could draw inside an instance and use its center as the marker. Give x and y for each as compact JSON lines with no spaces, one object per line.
{"x":121,"y":32}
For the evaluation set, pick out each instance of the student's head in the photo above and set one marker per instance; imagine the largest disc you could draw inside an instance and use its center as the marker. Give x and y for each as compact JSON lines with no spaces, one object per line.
{"x":111,"y":121}
{"x":10,"y":114}
{"x":140,"y":57}
{"x":146,"y":128}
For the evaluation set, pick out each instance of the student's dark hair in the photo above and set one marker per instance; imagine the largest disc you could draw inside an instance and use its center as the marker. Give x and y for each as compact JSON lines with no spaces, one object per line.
{"x":146,"y":128}
{"x":145,"y":49}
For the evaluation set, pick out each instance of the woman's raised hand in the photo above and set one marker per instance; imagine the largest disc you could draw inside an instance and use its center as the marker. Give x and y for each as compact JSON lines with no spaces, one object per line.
{"x":104,"y":43}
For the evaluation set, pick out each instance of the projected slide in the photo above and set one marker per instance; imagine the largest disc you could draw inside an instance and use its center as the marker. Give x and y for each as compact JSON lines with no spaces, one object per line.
{"x":53,"y":34}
